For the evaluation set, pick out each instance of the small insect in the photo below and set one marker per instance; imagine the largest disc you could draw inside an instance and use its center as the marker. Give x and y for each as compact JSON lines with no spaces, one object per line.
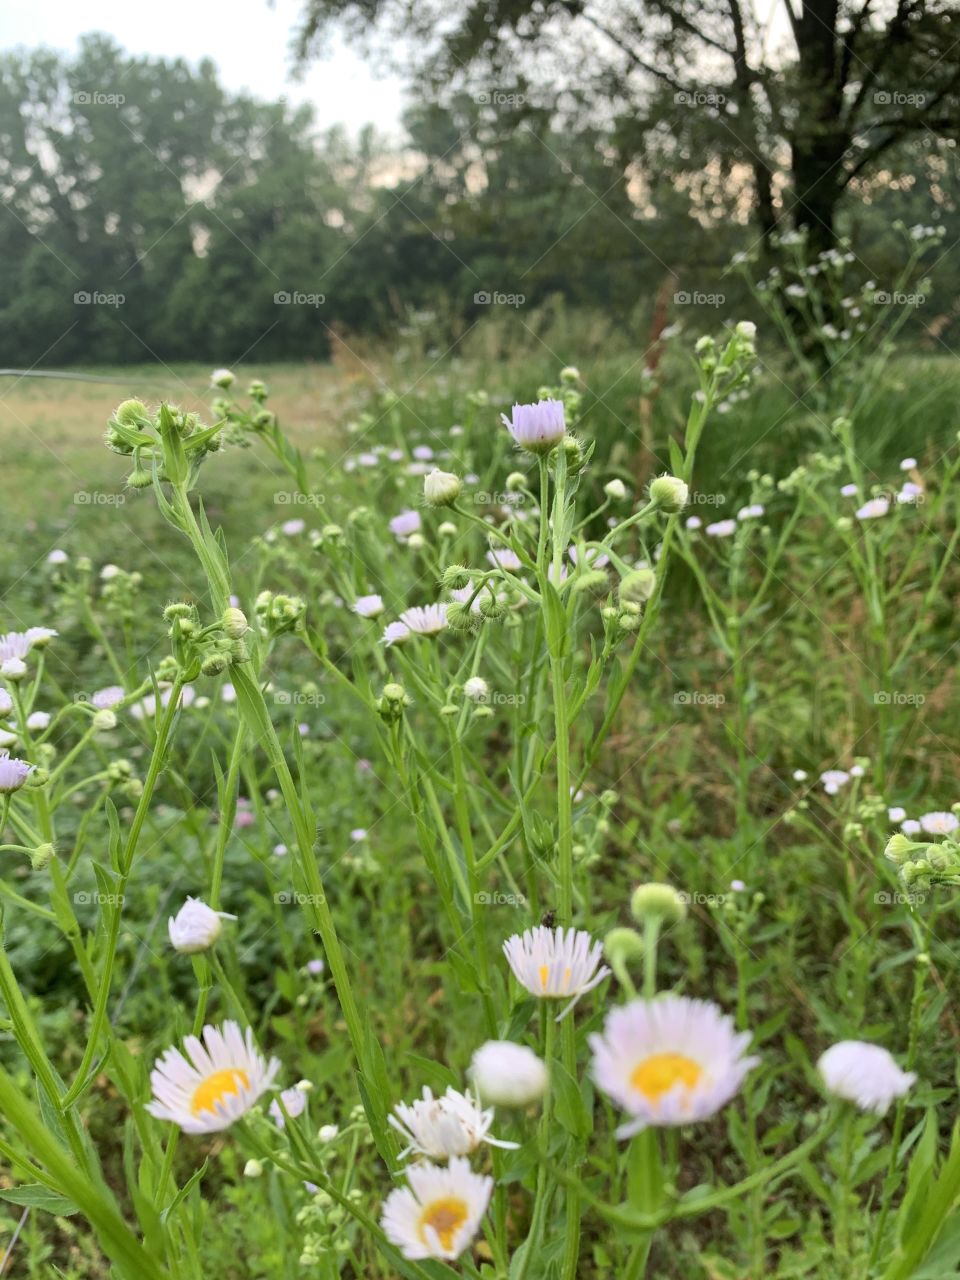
{"x":549,"y":919}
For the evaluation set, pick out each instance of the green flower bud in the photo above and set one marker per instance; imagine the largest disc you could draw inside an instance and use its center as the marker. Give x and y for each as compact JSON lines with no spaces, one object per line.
{"x":622,"y":946}
{"x":131,"y":412}
{"x":516,"y":480}
{"x":615,"y":489}
{"x":234,"y":622}
{"x":41,"y":855}
{"x":657,"y":902}
{"x":441,"y":488}
{"x":637,"y":587}
{"x":214,"y":664}
{"x":669,"y":493}
{"x":455,"y":577}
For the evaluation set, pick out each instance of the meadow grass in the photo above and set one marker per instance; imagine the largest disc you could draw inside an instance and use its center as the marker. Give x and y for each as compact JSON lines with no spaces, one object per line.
{"x":693,"y":784}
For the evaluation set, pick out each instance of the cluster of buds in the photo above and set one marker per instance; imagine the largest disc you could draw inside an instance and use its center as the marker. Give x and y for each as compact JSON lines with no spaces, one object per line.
{"x":621,"y":619}
{"x":921,"y":864}
{"x":392,"y":703}
{"x":279,"y":613}
{"x":119,"y":591}
{"x":169,"y":444}
{"x":324,"y":1225}
{"x":208,"y":651}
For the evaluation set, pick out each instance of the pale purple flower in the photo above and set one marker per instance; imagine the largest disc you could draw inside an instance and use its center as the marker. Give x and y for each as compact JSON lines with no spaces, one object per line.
{"x":38,"y":720}
{"x":294,"y":1103}
{"x":896,"y":814}
{"x":874,"y":509}
{"x":405,"y":523}
{"x":908,"y":464}
{"x":938,"y":823}
{"x":358,"y":834}
{"x":39,"y":636}
{"x":910,"y":493}
{"x":315,"y":967}
{"x":910,"y":827}
{"x":423,"y":453}
{"x":752,"y":512}
{"x":367,"y":459}
{"x":593,"y":558}
{"x":292,"y":527}
{"x":395,"y":633}
{"x":694,"y":522}
{"x":721,"y":529}
{"x":849,"y":491}
{"x":13,"y":773}
{"x":426,"y":621}
{"x":57,"y":556}
{"x":106,"y":698}
{"x":833,"y":780}
{"x":504,"y":558}
{"x":537,"y":427}
{"x":368,"y":606}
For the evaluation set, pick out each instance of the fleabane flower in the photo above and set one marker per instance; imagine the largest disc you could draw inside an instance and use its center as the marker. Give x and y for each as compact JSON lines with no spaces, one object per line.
{"x":429,"y":620}
{"x":670,"y":1061}
{"x":216,"y":1082}
{"x":507,"y":1074}
{"x":833,"y":780}
{"x":874,"y":509}
{"x":452,"y":1125}
{"x":939,"y":824}
{"x":504,"y":558}
{"x":368,"y":606}
{"x":13,"y":773}
{"x":864,"y":1074}
{"x":195,"y":927}
{"x":405,"y":523}
{"x":556,"y":964}
{"x":395,"y":633}
{"x":536,"y":427}
{"x":294,"y":1103}
{"x":721,"y":529}
{"x":439,"y":1213}
{"x":14,"y":647}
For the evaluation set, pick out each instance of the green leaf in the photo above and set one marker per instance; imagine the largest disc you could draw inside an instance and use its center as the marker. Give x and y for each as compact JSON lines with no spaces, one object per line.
{"x":33,"y":1195}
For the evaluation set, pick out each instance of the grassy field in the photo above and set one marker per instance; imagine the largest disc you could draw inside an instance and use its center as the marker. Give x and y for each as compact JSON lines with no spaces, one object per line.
{"x":806,"y":641}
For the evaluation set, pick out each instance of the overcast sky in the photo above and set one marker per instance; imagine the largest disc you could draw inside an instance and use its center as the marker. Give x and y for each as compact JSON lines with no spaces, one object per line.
{"x":249,"y":41}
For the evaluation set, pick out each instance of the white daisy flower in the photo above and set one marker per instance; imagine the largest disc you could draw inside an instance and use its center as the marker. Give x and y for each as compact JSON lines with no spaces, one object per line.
{"x":507,"y":1074}
{"x":13,"y":773}
{"x":721,"y":529}
{"x":694,"y":522}
{"x":57,"y":556}
{"x":217,"y":1082}
{"x":40,"y":636}
{"x":195,"y":927}
{"x":910,"y":827}
{"x":395,"y":633}
{"x":439,"y":1213}
{"x":294,"y":1103}
{"x":896,"y":814}
{"x":290,"y":528}
{"x":426,"y":621}
{"x":6,"y":703}
{"x":368,"y":606}
{"x":874,"y":509}
{"x":864,"y":1074}
{"x":910,"y":493}
{"x":556,"y":964}
{"x":849,"y":491}
{"x":939,"y":824}
{"x":753,"y":512}
{"x":109,"y":571}
{"x":148,"y":707}
{"x":537,"y":427}
{"x":38,"y":720}
{"x":14,"y":647}
{"x":799,"y":775}
{"x":908,"y":464}
{"x":452,"y":1125}
{"x":476,"y":688}
{"x":670,"y":1061}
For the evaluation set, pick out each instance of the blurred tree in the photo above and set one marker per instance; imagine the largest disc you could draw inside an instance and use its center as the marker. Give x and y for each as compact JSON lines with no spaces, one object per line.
{"x":805,"y":102}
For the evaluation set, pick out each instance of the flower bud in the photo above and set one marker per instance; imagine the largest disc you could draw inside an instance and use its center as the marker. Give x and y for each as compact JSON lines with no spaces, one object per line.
{"x":505,"y":1074}
{"x":253,"y":1169}
{"x":214,"y":664}
{"x":131,"y":412}
{"x":637,"y":587}
{"x":657,"y":902}
{"x":441,"y":488}
{"x":139,"y":479}
{"x":41,"y":855}
{"x":622,"y":946}
{"x":899,"y":848}
{"x":447,"y":529}
{"x":234,"y":622}
{"x":104,"y":719}
{"x":476,"y":689}
{"x":669,"y":493}
{"x":455,"y":577}
{"x":515,"y":481}
{"x":615,"y":489}
{"x":570,"y":375}
{"x":222,"y":378}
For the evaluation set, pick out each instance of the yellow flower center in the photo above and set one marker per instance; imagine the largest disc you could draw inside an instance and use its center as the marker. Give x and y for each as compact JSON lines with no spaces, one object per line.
{"x":216,"y":1087}
{"x":659,"y":1073}
{"x":445,"y":1216}
{"x":544,"y":972}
